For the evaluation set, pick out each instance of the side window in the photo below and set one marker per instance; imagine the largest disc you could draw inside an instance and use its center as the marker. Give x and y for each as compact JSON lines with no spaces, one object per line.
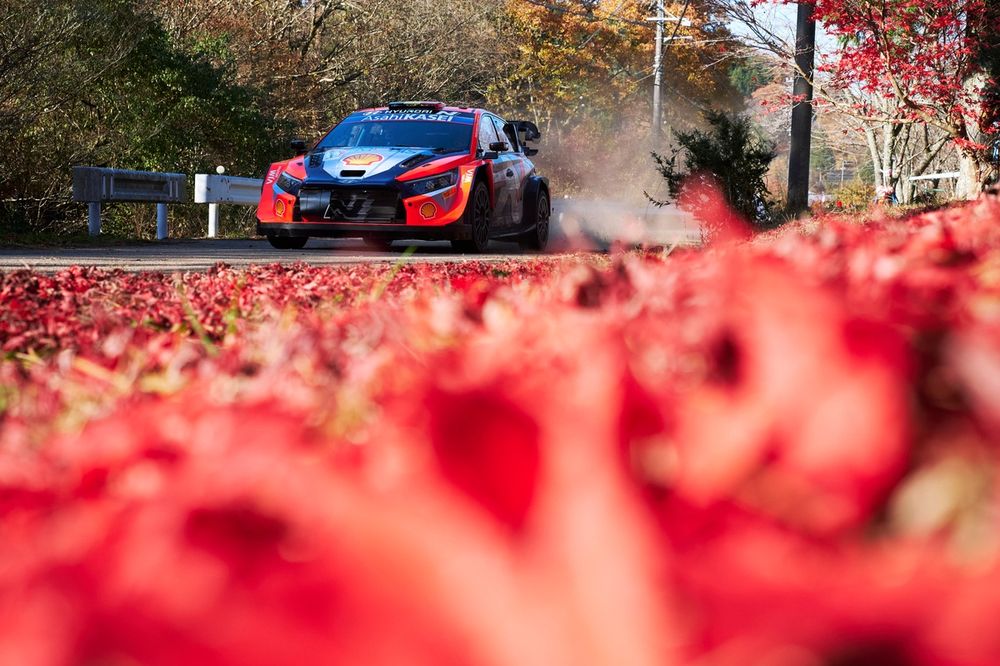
{"x":507,"y":133}
{"x":487,"y":133}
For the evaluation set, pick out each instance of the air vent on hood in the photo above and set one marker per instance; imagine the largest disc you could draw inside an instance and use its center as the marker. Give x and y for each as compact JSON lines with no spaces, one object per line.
{"x":419,"y":158}
{"x":352,"y":173}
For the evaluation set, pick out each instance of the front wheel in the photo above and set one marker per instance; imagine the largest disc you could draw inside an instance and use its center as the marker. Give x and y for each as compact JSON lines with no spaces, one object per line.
{"x":288,"y":242}
{"x":477,"y":216}
{"x":538,"y":237}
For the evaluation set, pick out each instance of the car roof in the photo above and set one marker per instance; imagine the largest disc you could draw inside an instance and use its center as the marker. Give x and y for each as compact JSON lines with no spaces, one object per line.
{"x":464,"y":109}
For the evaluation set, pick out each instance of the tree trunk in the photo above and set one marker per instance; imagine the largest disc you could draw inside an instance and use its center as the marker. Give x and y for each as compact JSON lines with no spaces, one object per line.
{"x":802,"y":111}
{"x":876,"y":157}
{"x":970,"y":178}
{"x":931,"y":151}
{"x":891,"y":170}
{"x":907,"y":192}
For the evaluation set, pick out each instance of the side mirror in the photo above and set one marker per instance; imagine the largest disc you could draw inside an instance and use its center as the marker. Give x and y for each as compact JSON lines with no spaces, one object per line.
{"x":490,"y":155}
{"x":298,"y":146}
{"x":499,"y":146}
{"x":530,"y":152}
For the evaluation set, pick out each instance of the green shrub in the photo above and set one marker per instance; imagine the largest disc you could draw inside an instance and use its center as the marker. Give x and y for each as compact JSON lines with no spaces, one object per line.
{"x":118,"y":91}
{"x":732,"y":156}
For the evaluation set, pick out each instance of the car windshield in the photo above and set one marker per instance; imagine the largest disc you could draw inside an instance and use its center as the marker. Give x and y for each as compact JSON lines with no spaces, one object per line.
{"x":446,"y":136}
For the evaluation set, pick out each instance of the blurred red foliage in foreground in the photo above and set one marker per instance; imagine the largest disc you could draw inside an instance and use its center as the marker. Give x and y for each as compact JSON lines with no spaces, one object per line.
{"x":781,"y":452}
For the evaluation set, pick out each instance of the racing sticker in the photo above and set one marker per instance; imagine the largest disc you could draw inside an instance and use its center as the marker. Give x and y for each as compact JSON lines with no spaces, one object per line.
{"x":372,"y":162}
{"x":350,"y":207}
{"x":363,"y":159}
{"x":458,"y":117}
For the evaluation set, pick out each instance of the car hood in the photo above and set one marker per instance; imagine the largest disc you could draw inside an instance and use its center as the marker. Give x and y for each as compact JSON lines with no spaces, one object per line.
{"x":369,"y":165}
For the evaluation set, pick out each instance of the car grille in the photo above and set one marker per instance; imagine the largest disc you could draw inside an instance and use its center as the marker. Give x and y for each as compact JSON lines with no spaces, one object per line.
{"x":349,"y":204}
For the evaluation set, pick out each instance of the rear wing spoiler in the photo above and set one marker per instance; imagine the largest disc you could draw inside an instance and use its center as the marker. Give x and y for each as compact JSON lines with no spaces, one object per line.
{"x":528,"y":131}
{"x":529,"y":128}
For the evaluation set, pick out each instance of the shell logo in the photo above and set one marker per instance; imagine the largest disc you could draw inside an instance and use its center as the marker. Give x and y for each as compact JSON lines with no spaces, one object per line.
{"x":364,"y":159}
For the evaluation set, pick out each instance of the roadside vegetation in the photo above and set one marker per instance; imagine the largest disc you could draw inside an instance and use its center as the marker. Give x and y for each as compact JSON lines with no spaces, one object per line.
{"x":730,"y":158}
{"x":158,"y":85}
{"x":185,"y":87}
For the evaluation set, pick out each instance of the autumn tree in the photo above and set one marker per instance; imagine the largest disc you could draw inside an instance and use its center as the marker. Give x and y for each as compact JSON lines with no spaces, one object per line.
{"x":101,"y":82}
{"x":583,"y":72}
{"x":595,"y":58}
{"x":928,"y":58}
{"x":319,"y":59}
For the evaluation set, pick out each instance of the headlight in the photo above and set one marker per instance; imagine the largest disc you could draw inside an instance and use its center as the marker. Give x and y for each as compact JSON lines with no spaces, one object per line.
{"x":434,"y":183}
{"x":288,"y":183}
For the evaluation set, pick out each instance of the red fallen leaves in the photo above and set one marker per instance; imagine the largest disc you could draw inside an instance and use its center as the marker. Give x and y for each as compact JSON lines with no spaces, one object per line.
{"x":782,"y":346}
{"x":781,"y":452}
{"x":78,"y":308}
{"x":488,"y":447}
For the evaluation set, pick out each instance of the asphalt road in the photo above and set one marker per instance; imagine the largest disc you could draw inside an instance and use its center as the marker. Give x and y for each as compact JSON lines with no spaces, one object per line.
{"x":581,"y":225}
{"x":196,"y":255}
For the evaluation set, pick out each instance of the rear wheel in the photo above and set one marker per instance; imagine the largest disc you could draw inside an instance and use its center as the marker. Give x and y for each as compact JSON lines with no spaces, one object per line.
{"x":538,"y":237}
{"x":477,"y":216}
{"x":288,"y":242}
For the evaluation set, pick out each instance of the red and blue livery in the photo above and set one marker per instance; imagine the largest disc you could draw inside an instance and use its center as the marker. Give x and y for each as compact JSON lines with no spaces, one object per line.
{"x":411,"y":170}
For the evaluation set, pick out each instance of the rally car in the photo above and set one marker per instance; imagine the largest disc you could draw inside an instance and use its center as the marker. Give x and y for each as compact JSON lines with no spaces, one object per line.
{"x":412,"y":170}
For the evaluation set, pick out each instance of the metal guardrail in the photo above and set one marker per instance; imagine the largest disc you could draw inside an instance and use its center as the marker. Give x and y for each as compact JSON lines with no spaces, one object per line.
{"x":96,"y":185}
{"x":602,"y":222}
{"x":937,"y":176}
{"x":220,"y":189}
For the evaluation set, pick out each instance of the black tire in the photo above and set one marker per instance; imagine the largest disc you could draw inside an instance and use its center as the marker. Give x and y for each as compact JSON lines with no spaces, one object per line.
{"x":288,"y":242}
{"x":538,"y":237}
{"x":378,"y":244}
{"x":477,"y":216}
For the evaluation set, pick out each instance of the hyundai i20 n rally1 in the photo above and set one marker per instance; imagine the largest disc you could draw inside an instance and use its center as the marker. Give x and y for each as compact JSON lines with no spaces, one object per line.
{"x":412,"y":170}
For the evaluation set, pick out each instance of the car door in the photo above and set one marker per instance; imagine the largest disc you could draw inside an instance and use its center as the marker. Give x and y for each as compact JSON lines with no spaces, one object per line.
{"x":505,"y":172}
{"x":517,"y":169}
{"x":487,"y":134}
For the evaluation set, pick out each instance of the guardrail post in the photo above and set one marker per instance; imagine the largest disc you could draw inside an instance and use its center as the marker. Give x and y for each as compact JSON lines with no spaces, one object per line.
{"x":217,"y":189}
{"x":161,"y":221}
{"x":94,"y":218}
{"x":213,"y":220}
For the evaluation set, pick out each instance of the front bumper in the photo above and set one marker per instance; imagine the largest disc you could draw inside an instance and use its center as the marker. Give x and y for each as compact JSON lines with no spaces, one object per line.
{"x":325,"y":204}
{"x":455,"y":231}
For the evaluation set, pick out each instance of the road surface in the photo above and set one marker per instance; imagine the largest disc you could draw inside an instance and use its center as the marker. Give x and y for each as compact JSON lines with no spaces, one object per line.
{"x":198,"y":255}
{"x":577,"y":225}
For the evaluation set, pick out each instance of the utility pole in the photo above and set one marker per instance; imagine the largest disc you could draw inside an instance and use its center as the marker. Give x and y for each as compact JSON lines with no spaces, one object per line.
{"x":802,"y":111}
{"x":656,"y":131}
{"x":658,"y":77}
